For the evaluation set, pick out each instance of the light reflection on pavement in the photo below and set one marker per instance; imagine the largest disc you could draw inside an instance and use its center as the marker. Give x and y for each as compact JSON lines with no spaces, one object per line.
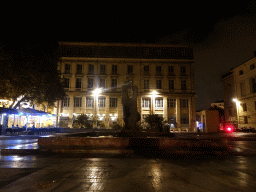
{"x":19,"y":144}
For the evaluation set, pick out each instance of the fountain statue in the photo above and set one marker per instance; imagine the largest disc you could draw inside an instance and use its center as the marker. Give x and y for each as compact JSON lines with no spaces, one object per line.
{"x":130,"y":113}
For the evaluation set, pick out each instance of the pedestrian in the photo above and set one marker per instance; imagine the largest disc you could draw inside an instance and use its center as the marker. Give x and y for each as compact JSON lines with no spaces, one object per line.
{"x":198,"y":129}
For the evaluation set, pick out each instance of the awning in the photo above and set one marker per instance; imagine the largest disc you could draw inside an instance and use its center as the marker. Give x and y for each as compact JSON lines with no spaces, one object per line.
{"x":30,"y":111}
{"x":8,"y":111}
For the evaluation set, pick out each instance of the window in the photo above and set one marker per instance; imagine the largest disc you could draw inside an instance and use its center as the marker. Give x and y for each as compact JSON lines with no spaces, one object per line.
{"x":146,"y":69}
{"x":77,"y":101}
{"x":170,"y":70}
{"x":66,"y":82}
{"x":91,"y":69}
{"x":145,"y":103}
{"x":114,"y":69}
{"x":102,"y":83}
{"x":113,"y":102}
{"x":183,"y":103}
{"x":158,"y":103}
{"x":183,"y":85}
{"x":184,"y":119}
{"x":158,"y":70}
{"x":159,"y":84}
{"x":113,"y":83}
{"x":90,"y":83}
{"x":244,"y":106}
{"x":242,"y":88}
{"x":241,"y":72}
{"x":183,"y":70}
{"x":79,"y":69}
{"x":171,"y":103}
{"x":130,"y":69}
{"x":253,"y":85}
{"x":78,"y":83}
{"x":252,"y":66}
{"x":146,"y":83}
{"x":65,"y":102}
{"x":67,"y":68}
{"x":243,"y":119}
{"x":101,"y":102}
{"x":103,"y":69}
{"x":171,"y":84}
{"x":89,"y":102}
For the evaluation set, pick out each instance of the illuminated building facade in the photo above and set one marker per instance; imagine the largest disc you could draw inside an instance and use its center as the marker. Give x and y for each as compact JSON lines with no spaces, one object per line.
{"x":239,"y":86}
{"x":164,"y":75}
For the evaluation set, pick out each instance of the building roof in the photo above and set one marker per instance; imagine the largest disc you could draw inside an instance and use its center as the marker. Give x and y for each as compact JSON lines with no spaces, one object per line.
{"x":125,"y":50}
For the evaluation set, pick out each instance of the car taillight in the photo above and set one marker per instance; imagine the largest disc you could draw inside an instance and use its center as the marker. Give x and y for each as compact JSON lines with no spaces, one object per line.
{"x":229,"y":129}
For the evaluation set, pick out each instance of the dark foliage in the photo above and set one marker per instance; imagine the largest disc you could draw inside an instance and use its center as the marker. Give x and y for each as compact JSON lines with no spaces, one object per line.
{"x":30,"y":70}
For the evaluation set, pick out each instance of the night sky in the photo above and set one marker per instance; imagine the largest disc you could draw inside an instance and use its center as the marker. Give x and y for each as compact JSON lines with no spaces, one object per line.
{"x":223,"y":35}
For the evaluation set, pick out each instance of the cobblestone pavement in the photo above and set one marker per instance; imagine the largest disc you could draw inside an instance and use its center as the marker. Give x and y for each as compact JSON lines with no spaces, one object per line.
{"x":127,"y":173}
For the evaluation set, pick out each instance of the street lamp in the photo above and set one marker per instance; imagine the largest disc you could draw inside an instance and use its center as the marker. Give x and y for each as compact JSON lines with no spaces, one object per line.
{"x":237,"y":108}
{"x":96,"y":93}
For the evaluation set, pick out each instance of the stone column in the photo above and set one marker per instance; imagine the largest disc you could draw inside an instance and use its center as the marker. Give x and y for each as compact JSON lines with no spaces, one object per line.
{"x":107,"y":112}
{"x":70,"y":110}
{"x":178,"y":112}
{"x":165,"y":115}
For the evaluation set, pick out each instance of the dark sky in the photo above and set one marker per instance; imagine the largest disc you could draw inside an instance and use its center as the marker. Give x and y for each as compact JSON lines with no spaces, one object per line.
{"x":222,"y":35}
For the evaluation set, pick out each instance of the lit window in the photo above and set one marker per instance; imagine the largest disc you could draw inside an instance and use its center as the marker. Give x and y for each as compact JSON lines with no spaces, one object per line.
{"x":89,"y":102}
{"x":65,"y":102}
{"x":145,"y":102}
{"x":158,"y":103}
{"x":101,"y":102}
{"x":77,"y":101}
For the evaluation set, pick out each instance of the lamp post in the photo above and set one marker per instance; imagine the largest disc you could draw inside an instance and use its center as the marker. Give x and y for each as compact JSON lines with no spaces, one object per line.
{"x":96,"y":93}
{"x":237,"y":109}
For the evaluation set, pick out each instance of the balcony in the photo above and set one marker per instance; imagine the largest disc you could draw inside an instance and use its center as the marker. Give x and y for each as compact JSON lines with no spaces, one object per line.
{"x":171,"y":74}
{"x":159,"y":74}
{"x":183,"y":75}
